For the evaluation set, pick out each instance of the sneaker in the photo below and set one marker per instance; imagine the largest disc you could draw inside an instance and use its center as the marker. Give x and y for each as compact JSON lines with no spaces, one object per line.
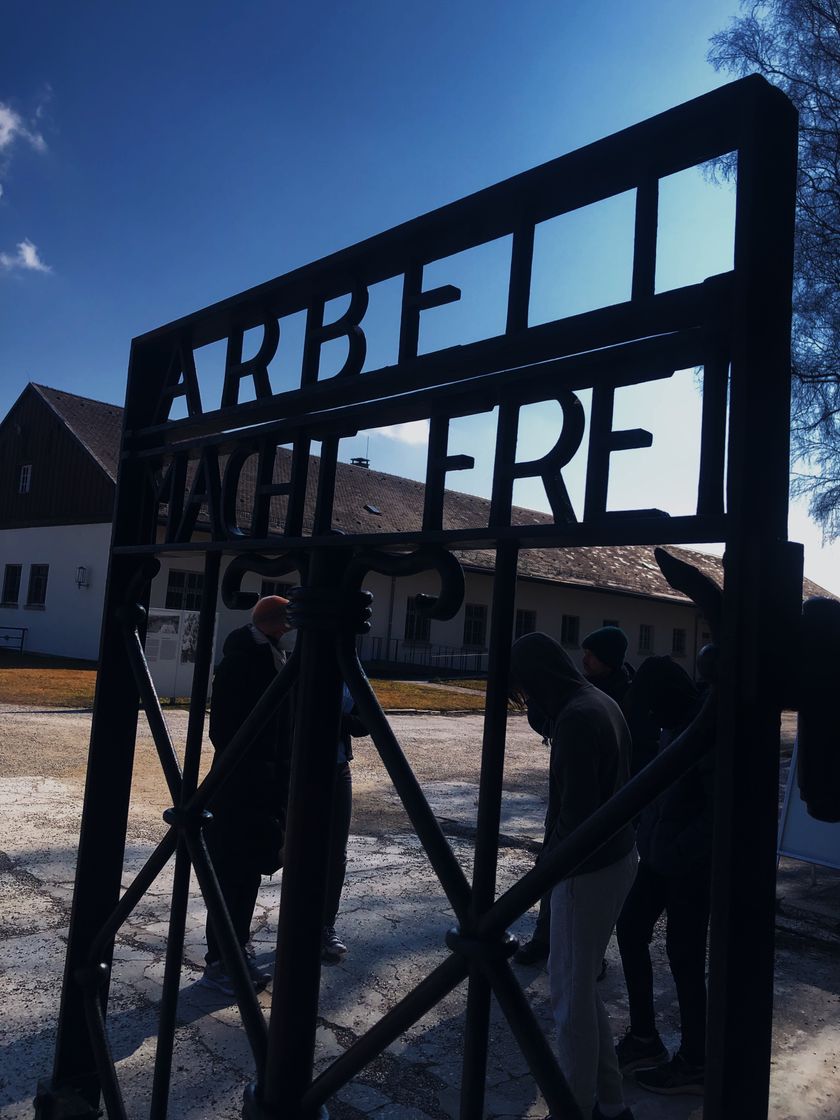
{"x":639,"y":1053}
{"x":214,"y":976}
{"x":332,"y":947}
{"x":673,"y":1078}
{"x":260,"y":977}
{"x":532,"y":952}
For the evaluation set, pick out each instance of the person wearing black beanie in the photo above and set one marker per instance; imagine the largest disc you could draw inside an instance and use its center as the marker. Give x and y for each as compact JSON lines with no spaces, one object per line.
{"x":603,"y":661}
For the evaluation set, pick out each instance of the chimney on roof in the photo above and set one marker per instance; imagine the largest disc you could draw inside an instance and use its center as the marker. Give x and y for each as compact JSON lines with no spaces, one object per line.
{"x":360,"y":461}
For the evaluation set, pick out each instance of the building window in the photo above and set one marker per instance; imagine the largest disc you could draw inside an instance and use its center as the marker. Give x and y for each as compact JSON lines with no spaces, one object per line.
{"x":611,"y":622}
{"x":25,"y":480}
{"x":678,"y":642}
{"x":526,"y":623}
{"x":36,"y":595}
{"x":645,"y":638}
{"x":418,"y":626}
{"x":475,"y":624}
{"x":274,"y":587}
{"x":11,"y":585}
{"x":570,"y":630}
{"x":183,"y":591}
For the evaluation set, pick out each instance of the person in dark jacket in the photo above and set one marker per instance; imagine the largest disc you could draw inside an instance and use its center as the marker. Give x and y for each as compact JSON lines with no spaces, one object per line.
{"x":603,"y":661}
{"x":674,"y":839}
{"x":245,"y":837}
{"x":589,"y":762}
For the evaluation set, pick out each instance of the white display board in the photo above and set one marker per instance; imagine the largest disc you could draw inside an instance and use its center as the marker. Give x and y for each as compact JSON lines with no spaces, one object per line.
{"x":171,"y":644}
{"x":800,"y":836}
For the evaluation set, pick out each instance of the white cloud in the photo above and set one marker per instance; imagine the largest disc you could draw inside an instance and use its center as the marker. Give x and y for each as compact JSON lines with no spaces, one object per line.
{"x":26,"y":258}
{"x":12,"y":127}
{"x":415,"y":432}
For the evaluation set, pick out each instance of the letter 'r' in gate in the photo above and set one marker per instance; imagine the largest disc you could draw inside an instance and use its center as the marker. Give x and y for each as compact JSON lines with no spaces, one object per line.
{"x":179,"y":482}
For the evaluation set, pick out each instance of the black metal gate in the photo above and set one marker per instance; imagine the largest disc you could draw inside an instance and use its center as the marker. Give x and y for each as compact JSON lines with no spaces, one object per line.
{"x":178,"y":476}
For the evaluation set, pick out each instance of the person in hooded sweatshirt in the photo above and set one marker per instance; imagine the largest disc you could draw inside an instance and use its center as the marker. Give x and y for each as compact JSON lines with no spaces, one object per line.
{"x":604,"y":666}
{"x":589,"y":762}
{"x":246,"y":833}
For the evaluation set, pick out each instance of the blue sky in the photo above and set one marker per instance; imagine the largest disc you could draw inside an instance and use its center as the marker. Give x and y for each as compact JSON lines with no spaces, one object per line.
{"x":156,"y":158}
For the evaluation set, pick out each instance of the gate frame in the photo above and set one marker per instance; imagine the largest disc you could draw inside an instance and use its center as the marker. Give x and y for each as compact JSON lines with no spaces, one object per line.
{"x":742,"y":317}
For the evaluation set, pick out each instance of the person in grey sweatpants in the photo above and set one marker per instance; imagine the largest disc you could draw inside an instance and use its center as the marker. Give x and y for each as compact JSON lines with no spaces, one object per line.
{"x":590,"y":761}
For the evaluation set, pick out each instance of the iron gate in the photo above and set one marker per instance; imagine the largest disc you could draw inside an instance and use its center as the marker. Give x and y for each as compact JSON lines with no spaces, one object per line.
{"x":177,"y":493}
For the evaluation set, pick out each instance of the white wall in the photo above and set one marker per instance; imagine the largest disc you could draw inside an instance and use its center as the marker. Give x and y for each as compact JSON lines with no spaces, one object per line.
{"x":551,"y":602}
{"x":68,"y":624}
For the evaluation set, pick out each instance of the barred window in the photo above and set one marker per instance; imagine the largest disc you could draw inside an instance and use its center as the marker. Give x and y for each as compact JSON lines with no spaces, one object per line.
{"x":418,"y":627}
{"x":475,"y":624}
{"x":526,"y":623}
{"x":274,"y":587}
{"x":25,"y":479}
{"x":36,"y":595}
{"x":678,"y":642}
{"x":645,"y":638}
{"x":570,"y":630}
{"x":11,"y":585}
{"x":183,"y":591}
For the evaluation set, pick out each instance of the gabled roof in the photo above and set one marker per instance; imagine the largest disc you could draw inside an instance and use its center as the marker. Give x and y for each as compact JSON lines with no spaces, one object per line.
{"x":96,"y":425}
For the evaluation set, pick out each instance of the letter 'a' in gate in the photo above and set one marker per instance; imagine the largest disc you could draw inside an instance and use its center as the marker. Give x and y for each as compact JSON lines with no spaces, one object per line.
{"x":177,"y":493}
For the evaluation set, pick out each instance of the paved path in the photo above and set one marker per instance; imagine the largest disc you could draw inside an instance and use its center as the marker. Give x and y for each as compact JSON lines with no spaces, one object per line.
{"x":394,"y":916}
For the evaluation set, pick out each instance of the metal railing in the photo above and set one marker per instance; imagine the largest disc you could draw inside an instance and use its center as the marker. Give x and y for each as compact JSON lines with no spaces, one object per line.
{"x":391,"y":654}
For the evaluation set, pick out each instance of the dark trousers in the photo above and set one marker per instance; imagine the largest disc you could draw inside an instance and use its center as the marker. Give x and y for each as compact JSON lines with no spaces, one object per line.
{"x":685,"y":901}
{"x":339,"y":833}
{"x":240,"y":886}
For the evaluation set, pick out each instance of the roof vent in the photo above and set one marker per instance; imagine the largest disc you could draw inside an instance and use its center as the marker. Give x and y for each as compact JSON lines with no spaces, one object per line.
{"x":360,"y":461}
{"x":372,"y":509}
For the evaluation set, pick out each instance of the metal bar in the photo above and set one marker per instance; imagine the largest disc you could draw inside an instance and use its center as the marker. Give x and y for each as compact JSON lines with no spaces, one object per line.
{"x":98,"y":1034}
{"x":644,"y":241}
{"x":154,"y":713}
{"x":294,"y":1003}
{"x":607,"y":530}
{"x":532,"y":1042}
{"x":181,"y":883}
{"x":102,"y":837}
{"x":485,"y":860}
{"x":760,"y":569}
{"x":668,"y":323}
{"x":423,"y":820}
{"x":232,"y":955}
{"x":711,"y":475}
{"x":171,"y":980}
{"x":405,"y":1014}
{"x":100,"y":944}
{"x":519,"y":289}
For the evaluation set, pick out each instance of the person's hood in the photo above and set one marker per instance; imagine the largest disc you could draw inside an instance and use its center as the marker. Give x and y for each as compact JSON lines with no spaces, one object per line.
{"x":663,"y":688}
{"x":543,"y":669}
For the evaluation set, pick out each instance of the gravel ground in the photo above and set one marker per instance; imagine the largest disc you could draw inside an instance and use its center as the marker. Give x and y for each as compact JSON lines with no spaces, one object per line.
{"x":45,"y":752}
